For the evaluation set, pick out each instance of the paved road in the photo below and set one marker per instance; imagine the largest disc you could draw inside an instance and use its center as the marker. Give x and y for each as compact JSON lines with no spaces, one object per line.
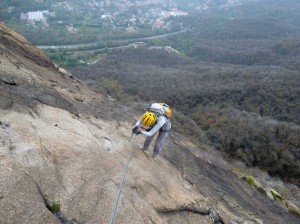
{"x":72,"y":46}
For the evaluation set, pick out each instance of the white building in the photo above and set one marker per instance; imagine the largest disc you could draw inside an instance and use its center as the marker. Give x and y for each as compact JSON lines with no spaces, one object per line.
{"x":24,"y":16}
{"x":35,"y":16}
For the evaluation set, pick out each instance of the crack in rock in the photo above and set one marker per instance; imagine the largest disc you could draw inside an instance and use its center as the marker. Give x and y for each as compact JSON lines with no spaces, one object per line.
{"x":211,"y":212}
{"x":58,"y":214}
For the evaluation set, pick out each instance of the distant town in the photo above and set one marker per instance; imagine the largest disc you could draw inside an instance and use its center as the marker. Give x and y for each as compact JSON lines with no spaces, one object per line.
{"x":116,"y":13}
{"x":76,"y":21}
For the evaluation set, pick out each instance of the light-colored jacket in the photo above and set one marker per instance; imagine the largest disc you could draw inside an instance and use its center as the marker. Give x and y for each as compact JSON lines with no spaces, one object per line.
{"x":162,"y":123}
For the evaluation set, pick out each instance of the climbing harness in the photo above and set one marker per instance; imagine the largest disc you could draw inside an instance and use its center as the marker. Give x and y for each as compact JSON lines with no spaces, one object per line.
{"x":122,"y":182}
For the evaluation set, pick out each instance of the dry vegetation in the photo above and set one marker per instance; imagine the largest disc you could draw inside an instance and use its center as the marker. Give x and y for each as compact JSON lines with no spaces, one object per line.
{"x":238,"y":80}
{"x":251,"y":113}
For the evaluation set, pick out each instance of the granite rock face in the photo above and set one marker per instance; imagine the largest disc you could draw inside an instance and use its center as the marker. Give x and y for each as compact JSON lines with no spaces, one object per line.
{"x":63,"y":148}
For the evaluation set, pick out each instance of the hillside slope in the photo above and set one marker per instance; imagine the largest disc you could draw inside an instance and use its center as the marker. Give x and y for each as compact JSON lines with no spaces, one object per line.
{"x":249,"y":112}
{"x":63,"y":149}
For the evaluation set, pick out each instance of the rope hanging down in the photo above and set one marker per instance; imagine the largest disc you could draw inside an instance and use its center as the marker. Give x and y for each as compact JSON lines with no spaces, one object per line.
{"x":122,"y":182}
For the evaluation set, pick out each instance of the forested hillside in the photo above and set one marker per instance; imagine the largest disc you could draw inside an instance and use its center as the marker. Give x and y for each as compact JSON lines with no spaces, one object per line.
{"x":236,"y":77}
{"x":249,"y":112}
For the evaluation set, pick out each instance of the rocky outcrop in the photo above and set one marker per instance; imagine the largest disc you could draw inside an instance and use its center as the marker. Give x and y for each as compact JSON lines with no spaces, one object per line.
{"x":63,"y":149}
{"x":19,"y":45}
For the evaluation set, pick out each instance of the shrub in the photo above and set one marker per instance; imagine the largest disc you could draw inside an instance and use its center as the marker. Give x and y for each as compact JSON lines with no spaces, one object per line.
{"x":276,"y":195}
{"x":251,"y":181}
{"x":54,"y":207}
